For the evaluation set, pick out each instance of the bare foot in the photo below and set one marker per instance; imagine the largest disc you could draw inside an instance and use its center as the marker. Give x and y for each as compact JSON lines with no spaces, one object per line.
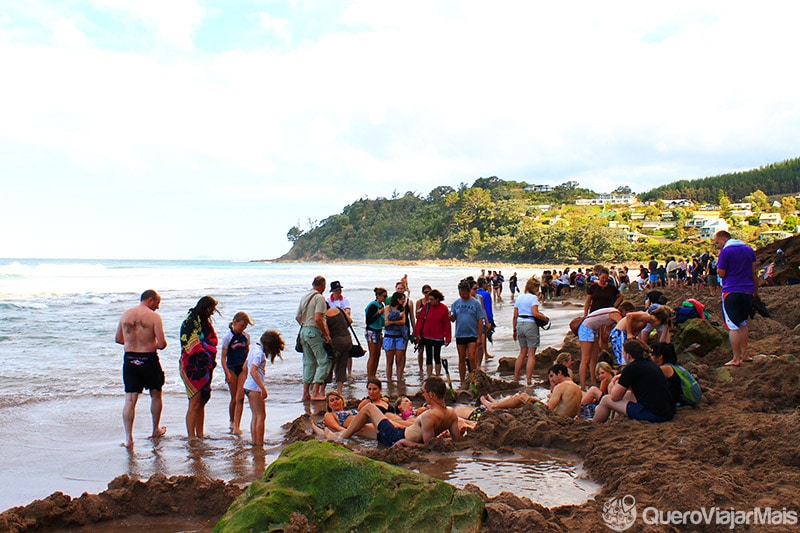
{"x":238,"y":432}
{"x":486,"y":401}
{"x":332,"y":435}
{"x":747,"y":359}
{"x":318,"y":398}
{"x":305,"y":398}
{"x":317,"y":430}
{"x":160,"y":432}
{"x":128,"y":445}
{"x":732,"y":363}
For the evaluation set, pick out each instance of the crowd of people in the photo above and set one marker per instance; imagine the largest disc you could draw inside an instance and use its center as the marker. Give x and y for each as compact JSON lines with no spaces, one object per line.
{"x":628,"y":367}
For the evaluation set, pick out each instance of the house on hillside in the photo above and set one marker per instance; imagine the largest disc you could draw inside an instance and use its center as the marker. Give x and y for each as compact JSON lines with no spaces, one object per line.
{"x":539,"y":188}
{"x":650,"y":226}
{"x":616,"y":225}
{"x":777,"y":234}
{"x":637,"y":216}
{"x":770,"y":219}
{"x":711,"y":227}
{"x":678,"y":202}
{"x":699,"y":218}
{"x":608,"y":199}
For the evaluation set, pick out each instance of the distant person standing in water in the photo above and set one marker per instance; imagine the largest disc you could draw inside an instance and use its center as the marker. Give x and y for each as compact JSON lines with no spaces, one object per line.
{"x":235,"y":347}
{"x":313,"y":336}
{"x":512,"y":285}
{"x":198,"y":359}
{"x":141,"y":332}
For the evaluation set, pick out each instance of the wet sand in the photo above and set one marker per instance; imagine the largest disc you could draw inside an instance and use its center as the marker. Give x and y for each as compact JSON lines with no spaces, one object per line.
{"x":73,"y":445}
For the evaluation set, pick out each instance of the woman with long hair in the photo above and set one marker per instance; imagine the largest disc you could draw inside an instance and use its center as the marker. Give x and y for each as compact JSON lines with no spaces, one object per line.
{"x":433,"y":329}
{"x":395,"y":335}
{"x":198,"y":359}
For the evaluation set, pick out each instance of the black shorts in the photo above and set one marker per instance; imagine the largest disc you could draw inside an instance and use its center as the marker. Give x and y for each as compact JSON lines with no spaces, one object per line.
{"x":388,"y":435}
{"x":461,"y":341}
{"x":736,"y":307}
{"x":142,"y":371}
{"x":236,"y":369}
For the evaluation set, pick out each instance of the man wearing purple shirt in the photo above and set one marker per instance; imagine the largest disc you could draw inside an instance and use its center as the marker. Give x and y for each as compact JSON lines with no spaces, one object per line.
{"x":736,"y":267}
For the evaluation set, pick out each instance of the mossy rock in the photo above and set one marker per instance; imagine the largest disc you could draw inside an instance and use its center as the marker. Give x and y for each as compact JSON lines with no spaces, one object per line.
{"x":338,"y":490}
{"x":702,"y":332}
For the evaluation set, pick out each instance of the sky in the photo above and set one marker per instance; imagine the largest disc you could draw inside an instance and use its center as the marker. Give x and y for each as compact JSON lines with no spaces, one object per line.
{"x":194,"y":129}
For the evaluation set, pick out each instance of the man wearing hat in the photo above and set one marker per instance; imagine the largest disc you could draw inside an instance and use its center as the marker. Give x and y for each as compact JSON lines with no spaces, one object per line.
{"x":336,"y":299}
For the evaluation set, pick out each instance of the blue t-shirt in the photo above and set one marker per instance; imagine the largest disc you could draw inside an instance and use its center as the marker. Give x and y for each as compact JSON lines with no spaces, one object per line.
{"x":487,"y":304}
{"x":736,"y":259}
{"x":469,"y":314}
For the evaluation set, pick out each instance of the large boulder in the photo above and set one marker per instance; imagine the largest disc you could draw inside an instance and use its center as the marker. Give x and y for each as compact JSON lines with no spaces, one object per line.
{"x":335,"y":489}
{"x":702,"y":332}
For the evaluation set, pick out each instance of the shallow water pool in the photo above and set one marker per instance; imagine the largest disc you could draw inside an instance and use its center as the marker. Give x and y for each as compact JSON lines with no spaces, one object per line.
{"x":549,"y":477}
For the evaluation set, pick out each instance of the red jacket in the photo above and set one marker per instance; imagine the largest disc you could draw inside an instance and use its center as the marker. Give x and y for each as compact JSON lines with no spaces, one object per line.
{"x":434,"y":325}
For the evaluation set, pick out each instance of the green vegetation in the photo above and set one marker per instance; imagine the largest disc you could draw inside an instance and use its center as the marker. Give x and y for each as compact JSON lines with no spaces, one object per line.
{"x":508,"y":221}
{"x":775,"y":179}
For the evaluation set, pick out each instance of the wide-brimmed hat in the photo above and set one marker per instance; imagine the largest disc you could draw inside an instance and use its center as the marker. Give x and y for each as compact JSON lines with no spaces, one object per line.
{"x":336,"y":286}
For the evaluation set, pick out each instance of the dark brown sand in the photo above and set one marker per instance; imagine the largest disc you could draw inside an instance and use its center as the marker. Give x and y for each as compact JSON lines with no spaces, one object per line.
{"x":737,"y":449}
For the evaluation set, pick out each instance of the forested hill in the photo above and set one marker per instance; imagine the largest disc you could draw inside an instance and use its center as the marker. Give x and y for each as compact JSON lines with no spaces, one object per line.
{"x":774,"y":179}
{"x":509,"y":221}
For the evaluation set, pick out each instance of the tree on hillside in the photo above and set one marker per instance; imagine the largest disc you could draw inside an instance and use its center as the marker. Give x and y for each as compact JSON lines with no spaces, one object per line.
{"x":622,"y":189}
{"x":759,"y":201}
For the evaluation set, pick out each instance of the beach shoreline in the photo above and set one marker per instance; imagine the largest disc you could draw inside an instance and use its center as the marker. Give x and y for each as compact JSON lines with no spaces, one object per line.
{"x":738,"y":445}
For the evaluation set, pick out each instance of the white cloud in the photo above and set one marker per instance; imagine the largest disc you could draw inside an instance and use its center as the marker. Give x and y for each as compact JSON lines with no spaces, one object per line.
{"x":387,"y":97}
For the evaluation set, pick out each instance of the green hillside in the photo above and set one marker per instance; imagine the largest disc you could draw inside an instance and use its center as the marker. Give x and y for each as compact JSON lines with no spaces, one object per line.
{"x":507,"y":221}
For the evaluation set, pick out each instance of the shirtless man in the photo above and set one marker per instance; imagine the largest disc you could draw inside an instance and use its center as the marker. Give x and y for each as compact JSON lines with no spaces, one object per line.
{"x":565,"y":400}
{"x":141,"y":331}
{"x":437,"y":419}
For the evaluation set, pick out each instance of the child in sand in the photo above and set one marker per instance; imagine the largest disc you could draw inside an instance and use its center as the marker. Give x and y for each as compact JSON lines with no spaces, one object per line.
{"x":270,"y":345}
{"x":235,"y":347}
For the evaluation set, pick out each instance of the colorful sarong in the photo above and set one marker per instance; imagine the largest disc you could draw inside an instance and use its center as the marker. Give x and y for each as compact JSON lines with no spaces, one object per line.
{"x":198,"y":358}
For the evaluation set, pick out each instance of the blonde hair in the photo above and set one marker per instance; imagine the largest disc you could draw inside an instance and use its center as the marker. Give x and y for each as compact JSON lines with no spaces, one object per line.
{"x":605,"y":367}
{"x":562,"y":357}
{"x":532,"y":285}
{"x":241,"y":316}
{"x":333,"y":393}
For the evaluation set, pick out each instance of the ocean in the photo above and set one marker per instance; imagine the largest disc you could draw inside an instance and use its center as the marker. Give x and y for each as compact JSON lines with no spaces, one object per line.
{"x":61,"y":391}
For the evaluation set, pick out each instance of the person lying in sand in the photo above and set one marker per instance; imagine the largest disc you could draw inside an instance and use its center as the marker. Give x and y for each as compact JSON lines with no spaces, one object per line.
{"x":565,"y":399}
{"x":426,"y":426}
{"x":337,"y":418}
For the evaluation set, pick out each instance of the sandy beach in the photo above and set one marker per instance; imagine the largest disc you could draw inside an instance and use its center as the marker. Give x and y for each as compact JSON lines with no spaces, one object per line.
{"x":735,"y":451}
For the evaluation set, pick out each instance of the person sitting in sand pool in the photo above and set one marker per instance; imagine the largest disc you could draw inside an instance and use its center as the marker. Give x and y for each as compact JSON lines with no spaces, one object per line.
{"x":437,"y":419}
{"x":565,"y":399}
{"x":270,"y":345}
{"x":641,"y":392}
{"x":565,"y":358}
{"x":338,"y":418}
{"x":405,"y":409}
{"x":605,"y":374}
{"x":664,"y":356}
{"x":375,"y":396}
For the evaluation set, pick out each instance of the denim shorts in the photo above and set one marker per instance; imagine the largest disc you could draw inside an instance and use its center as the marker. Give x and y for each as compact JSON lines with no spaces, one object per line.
{"x":394,"y":343}
{"x":374,"y":337}
{"x":586,"y":334}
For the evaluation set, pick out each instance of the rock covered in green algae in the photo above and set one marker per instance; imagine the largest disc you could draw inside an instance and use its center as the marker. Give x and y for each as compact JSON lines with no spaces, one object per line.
{"x":702,"y":332}
{"x":338,"y":490}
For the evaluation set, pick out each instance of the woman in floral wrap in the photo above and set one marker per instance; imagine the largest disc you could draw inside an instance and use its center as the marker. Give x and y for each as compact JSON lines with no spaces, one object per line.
{"x":198,"y":359}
